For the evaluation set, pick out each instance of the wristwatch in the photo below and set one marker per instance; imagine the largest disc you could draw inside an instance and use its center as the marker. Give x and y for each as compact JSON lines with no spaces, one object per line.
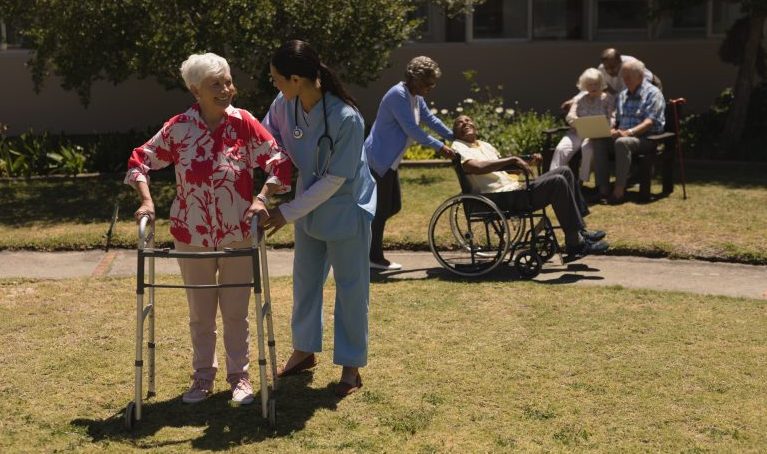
{"x":262,"y":198}
{"x":631,"y":132}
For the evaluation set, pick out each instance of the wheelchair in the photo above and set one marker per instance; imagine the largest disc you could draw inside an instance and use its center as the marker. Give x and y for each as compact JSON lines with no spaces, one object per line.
{"x":470,"y":235}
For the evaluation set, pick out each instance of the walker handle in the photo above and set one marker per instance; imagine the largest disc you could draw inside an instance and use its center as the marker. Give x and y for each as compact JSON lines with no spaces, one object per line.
{"x":256,"y":232}
{"x":142,"y":228}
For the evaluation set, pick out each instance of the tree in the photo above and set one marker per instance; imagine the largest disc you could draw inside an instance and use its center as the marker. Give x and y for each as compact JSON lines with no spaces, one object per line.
{"x":750,"y":29}
{"x":86,"y":41}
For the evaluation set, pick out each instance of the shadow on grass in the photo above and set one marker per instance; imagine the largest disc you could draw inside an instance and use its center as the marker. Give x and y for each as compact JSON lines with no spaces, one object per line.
{"x":224,"y":426}
{"x":504,"y":273}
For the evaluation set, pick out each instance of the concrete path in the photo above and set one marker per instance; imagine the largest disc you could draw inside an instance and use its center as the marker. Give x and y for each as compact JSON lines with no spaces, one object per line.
{"x":633,"y":272}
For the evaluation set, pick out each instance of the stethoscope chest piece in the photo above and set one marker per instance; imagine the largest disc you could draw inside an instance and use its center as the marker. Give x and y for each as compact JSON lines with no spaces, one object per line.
{"x":298,"y":132}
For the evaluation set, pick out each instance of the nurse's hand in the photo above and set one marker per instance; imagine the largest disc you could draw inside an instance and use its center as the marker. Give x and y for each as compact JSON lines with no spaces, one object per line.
{"x":273,"y":223}
{"x":447,"y":152}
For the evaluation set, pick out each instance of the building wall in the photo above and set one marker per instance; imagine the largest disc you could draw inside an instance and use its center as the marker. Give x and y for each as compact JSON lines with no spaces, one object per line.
{"x":537,"y":74}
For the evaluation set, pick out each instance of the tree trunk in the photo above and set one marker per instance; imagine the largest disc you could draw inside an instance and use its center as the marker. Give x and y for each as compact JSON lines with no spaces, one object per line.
{"x":744,"y":83}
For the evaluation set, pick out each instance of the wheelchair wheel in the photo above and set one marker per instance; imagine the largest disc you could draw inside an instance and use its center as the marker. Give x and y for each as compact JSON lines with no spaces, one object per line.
{"x":546,"y":247}
{"x":468,"y":235}
{"x":528,"y":264}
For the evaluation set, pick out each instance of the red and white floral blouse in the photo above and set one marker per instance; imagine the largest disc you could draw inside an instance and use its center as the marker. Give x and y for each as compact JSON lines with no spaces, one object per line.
{"x":214,"y":184}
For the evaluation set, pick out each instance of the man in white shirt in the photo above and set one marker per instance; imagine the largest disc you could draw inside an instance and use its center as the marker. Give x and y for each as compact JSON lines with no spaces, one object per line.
{"x":612,"y":62}
{"x":484,"y":170}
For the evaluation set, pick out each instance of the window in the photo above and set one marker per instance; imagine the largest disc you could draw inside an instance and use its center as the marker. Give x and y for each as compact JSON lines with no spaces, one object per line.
{"x":558,"y":19}
{"x":621,"y":14}
{"x":723,"y":15}
{"x":500,"y":19}
{"x":687,"y":23}
{"x":9,"y":36}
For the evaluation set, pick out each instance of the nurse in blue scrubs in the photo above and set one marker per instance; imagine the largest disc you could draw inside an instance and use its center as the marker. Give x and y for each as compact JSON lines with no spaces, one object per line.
{"x":317,"y":123}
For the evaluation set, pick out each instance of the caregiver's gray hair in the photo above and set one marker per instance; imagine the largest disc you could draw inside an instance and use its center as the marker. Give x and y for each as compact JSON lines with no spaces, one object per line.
{"x":421,"y":68}
{"x":199,"y":66}
{"x":591,"y":76}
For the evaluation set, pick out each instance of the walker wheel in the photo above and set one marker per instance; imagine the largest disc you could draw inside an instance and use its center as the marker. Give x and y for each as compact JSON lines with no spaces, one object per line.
{"x":528,"y":264}
{"x":130,"y":416}
{"x":272,"y":412}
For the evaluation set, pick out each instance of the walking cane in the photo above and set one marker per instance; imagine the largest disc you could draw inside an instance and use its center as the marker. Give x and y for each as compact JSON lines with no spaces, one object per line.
{"x":680,"y":155}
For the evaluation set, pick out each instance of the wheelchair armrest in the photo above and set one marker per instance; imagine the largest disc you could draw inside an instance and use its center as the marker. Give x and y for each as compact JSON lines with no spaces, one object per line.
{"x":520,"y":169}
{"x":661,"y":137}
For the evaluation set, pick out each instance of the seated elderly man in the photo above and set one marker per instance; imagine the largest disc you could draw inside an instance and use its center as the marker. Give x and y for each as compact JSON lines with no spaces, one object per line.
{"x":483,"y":166}
{"x":639,"y":112}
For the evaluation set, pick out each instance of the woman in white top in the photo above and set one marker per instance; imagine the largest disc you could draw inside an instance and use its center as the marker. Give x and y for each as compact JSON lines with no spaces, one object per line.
{"x":592,"y":100}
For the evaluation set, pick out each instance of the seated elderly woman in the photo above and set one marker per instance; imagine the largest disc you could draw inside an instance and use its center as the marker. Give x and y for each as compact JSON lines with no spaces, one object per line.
{"x":591,"y":101}
{"x":483,"y":166}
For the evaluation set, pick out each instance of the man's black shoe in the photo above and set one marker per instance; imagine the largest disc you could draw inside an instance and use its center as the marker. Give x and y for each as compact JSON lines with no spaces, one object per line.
{"x":593,"y":235}
{"x":585,"y":248}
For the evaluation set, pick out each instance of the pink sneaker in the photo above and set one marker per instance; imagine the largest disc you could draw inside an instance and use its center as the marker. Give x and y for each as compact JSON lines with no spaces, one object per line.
{"x":242,"y":392}
{"x":200,"y":390}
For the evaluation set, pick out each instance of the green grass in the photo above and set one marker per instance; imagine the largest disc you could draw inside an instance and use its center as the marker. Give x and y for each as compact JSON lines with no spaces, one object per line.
{"x":723,"y":218}
{"x":496,"y":366}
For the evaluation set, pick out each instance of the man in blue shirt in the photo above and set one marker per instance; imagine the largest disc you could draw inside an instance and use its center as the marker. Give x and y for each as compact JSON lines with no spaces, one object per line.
{"x":639,"y":113}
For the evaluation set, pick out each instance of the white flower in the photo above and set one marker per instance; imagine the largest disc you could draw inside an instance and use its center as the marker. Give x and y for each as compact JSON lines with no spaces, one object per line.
{"x":433,"y":111}
{"x":510,"y":112}
{"x":443,"y":111}
{"x":459,"y":109}
{"x":499,"y":110}
{"x":468,"y":100}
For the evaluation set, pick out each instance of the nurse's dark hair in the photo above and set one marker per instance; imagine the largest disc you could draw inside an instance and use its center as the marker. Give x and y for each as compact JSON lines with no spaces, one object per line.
{"x":298,"y":58}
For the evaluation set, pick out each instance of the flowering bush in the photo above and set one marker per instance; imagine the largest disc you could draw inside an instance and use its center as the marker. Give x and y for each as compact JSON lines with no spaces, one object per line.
{"x":509,"y":129}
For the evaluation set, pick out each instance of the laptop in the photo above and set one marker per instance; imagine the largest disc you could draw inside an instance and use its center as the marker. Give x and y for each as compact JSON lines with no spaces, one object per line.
{"x":592,"y":127}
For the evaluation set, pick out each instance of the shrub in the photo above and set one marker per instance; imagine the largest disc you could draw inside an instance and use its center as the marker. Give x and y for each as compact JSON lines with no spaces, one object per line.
{"x":510,"y":130}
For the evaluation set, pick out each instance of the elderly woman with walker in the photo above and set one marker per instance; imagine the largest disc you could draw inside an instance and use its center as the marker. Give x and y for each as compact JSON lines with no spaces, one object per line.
{"x":213,"y":147}
{"x":396,"y":127}
{"x":319,"y":126}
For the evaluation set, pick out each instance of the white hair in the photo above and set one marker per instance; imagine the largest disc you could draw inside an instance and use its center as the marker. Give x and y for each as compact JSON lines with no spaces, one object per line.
{"x":591,"y":76}
{"x":199,"y":66}
{"x":421,"y":68}
{"x":633,"y":66}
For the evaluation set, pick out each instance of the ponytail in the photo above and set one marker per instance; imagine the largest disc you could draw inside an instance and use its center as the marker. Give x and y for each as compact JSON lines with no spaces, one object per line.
{"x":298,"y":58}
{"x":330,"y":82}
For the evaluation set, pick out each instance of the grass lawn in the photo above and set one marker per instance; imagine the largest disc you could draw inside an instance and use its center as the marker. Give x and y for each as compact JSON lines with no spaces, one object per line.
{"x":723,"y":219}
{"x":530,"y":367}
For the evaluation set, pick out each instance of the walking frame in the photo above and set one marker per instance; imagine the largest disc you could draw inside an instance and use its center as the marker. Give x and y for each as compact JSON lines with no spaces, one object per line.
{"x":146,"y":253}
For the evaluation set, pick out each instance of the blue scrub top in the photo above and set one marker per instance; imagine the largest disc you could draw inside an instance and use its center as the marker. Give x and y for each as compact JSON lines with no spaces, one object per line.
{"x":347,"y":129}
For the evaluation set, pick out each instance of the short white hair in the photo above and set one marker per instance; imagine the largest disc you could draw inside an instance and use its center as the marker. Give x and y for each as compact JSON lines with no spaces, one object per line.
{"x":199,"y":66}
{"x":633,"y":66}
{"x":591,"y":76}
{"x":421,"y":68}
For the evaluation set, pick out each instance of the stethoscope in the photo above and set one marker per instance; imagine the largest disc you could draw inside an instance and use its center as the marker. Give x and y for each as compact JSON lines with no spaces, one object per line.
{"x":298,"y":133}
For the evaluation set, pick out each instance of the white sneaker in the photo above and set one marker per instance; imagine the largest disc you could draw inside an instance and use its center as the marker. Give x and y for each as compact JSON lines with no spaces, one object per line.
{"x":242,"y":392}
{"x":385,"y":265}
{"x":200,"y":390}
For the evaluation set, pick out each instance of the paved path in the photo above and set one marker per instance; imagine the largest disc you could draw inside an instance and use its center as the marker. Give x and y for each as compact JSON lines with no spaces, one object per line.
{"x":634,"y":272}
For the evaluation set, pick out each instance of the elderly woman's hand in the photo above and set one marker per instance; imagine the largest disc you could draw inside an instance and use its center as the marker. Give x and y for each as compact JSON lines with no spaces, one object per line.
{"x":273,"y":223}
{"x":146,"y":209}
{"x":447,"y":152}
{"x":257,"y":209}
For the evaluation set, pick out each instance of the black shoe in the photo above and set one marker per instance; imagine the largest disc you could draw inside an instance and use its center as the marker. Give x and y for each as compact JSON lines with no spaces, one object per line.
{"x":593,"y":235}
{"x":585,"y":248}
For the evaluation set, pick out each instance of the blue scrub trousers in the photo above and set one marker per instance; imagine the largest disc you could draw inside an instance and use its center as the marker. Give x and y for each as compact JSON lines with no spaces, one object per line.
{"x":351,"y":271}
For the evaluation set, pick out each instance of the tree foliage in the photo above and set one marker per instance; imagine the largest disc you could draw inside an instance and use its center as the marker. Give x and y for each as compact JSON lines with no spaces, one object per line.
{"x":86,"y":41}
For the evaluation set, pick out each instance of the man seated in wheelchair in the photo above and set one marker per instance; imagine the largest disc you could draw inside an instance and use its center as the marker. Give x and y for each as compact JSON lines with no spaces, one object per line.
{"x":485,"y":171}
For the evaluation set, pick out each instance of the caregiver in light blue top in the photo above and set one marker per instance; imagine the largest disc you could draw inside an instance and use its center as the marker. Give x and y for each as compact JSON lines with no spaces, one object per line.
{"x":396,"y":127}
{"x":320,"y":128}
